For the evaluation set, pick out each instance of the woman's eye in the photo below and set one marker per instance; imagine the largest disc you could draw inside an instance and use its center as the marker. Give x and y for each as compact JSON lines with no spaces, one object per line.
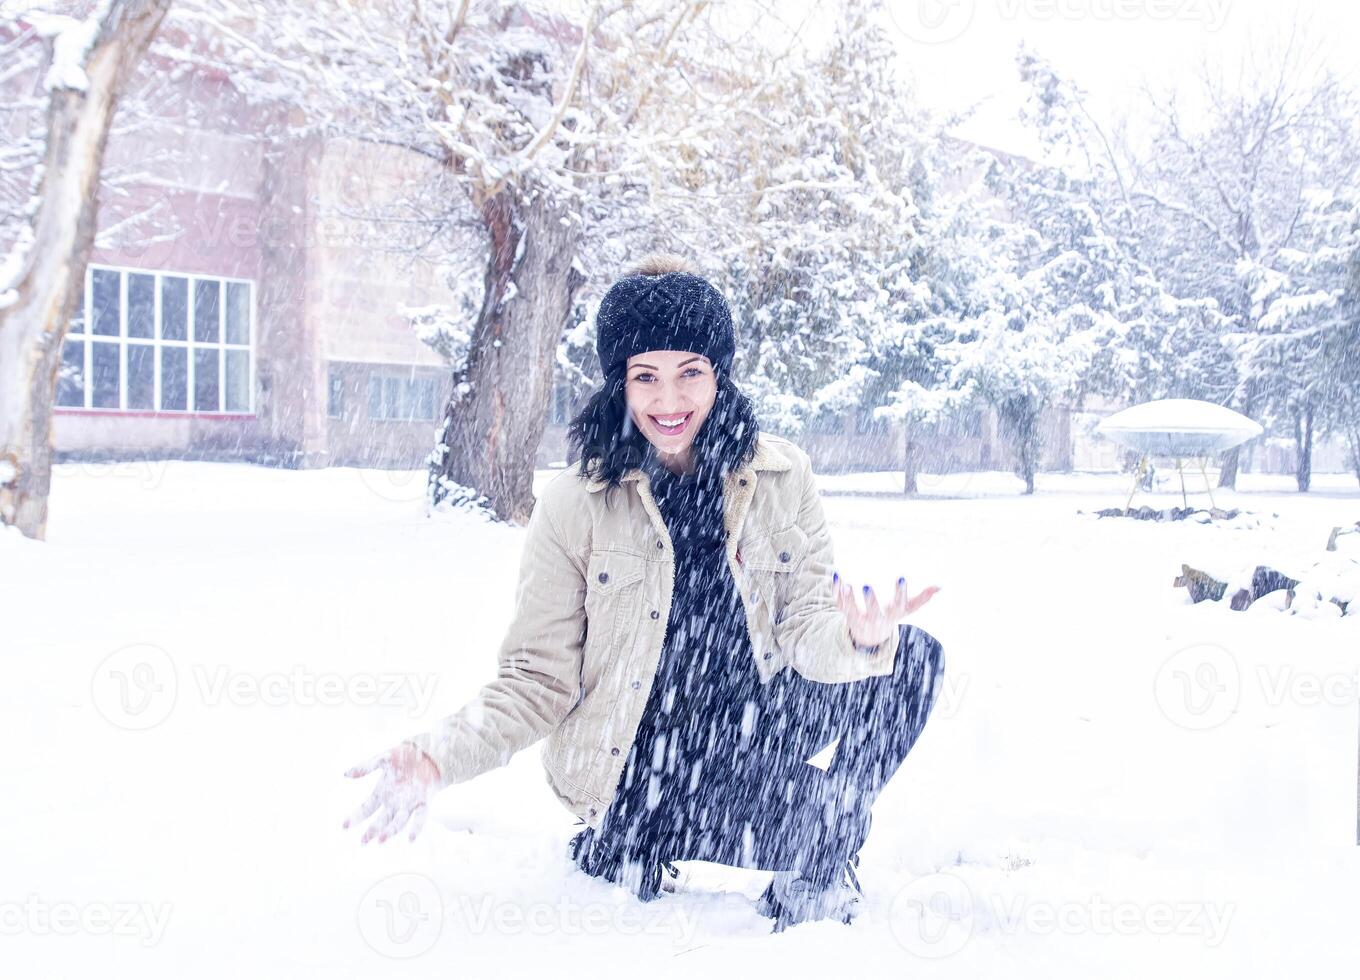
{"x":648,"y":376}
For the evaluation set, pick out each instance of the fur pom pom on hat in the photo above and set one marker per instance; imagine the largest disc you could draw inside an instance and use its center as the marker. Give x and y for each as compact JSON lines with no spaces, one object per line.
{"x":661,"y":304}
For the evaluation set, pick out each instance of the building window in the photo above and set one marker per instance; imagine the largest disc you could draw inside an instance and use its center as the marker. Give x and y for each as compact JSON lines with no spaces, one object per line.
{"x":131,"y":347}
{"x":335,"y":395}
{"x":400,"y":397}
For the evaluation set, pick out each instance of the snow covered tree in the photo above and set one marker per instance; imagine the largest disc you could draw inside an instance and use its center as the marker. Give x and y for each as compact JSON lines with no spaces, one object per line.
{"x":914,"y":385}
{"x":89,"y":65}
{"x":1224,"y":198}
{"x":1161,"y":342}
{"x":1055,"y":291}
{"x":1028,"y":335}
{"x":1203,"y":227}
{"x":819,"y":234}
{"x":951,"y":254}
{"x":549,"y":140}
{"x":1307,"y":350}
{"x":560,"y":139}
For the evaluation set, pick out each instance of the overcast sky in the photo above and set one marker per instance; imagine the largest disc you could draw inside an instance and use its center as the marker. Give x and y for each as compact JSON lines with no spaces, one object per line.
{"x":1108,"y":46}
{"x":963,"y":51}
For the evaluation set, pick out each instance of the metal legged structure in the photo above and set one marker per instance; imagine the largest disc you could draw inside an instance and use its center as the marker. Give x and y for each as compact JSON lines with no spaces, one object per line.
{"x":1142,"y":469}
{"x":1137,"y":479}
{"x":1207,"y":489}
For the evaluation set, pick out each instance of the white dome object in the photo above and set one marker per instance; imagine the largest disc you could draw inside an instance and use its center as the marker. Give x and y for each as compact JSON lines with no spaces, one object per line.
{"x":1179,"y":427}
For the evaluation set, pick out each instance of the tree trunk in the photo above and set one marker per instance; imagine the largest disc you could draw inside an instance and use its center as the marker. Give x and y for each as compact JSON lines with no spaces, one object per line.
{"x":495,"y":417}
{"x":51,"y":279}
{"x":1029,"y":446}
{"x":911,"y":457}
{"x":1020,"y":424}
{"x":1303,"y":441}
{"x":1353,"y":438}
{"x":1227,"y":476}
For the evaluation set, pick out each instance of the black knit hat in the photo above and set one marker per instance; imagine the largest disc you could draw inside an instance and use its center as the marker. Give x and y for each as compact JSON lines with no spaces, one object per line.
{"x":675,"y":311}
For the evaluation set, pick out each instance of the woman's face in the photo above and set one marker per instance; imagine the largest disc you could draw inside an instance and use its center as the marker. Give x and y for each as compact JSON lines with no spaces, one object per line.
{"x":670,"y":386}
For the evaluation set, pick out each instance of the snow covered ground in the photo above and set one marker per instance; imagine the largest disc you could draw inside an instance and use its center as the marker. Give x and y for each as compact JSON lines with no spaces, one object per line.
{"x":1116,"y":782}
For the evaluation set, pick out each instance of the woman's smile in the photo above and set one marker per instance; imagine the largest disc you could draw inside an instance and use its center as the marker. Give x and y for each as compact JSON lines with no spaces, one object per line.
{"x":671,"y":425}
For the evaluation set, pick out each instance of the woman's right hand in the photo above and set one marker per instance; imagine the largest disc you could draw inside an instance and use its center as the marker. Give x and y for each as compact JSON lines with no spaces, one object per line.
{"x":408,"y":778}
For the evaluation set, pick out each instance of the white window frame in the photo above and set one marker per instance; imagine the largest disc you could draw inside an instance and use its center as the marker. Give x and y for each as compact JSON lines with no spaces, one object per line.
{"x":190,"y":345}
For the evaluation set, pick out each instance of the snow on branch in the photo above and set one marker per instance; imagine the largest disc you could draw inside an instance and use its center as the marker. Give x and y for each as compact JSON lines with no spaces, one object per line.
{"x":71,"y":43}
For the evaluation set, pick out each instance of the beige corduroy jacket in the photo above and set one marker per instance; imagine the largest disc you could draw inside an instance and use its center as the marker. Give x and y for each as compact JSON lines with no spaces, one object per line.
{"x":592,"y":603}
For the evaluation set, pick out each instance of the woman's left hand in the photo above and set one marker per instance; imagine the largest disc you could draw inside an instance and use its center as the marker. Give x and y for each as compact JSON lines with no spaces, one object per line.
{"x":873,"y":624}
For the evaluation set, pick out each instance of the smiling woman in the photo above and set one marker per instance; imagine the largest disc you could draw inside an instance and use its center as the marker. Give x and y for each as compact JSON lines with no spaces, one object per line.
{"x":687,"y":649}
{"x":666,"y":346}
{"x":669,"y":394}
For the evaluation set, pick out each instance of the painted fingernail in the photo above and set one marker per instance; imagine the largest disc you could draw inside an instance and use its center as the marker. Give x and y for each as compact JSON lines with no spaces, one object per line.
{"x":902,"y":580}
{"x":866,"y":590}
{"x":835,"y":577}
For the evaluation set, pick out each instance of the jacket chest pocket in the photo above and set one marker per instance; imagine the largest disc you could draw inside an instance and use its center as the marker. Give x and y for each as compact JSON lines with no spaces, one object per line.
{"x":614,"y":592}
{"x":772,"y":560}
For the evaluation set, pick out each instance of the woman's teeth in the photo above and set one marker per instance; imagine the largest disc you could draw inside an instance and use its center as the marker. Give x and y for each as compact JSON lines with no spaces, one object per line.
{"x":671,"y":423}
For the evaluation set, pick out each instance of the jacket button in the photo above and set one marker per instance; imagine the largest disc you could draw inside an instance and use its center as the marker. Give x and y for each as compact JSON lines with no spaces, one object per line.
{"x":636,"y":685}
{"x":784,"y":556}
{"x":614,"y":750}
{"x":661,"y":544}
{"x":768,"y":655}
{"x":592,"y":811}
{"x":604,"y":576}
{"x":655,"y":614}
{"x":742,"y":482}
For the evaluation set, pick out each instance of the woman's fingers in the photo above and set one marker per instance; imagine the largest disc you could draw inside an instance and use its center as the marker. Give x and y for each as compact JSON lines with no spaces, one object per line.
{"x":871,"y":610}
{"x":849,"y":606}
{"x":366,"y":808}
{"x":400,"y":814}
{"x":417,"y":821}
{"x":396,"y":812}
{"x":899,"y":603}
{"x":839,"y":588}
{"x":902,"y":605}
{"x":401,"y":793}
{"x":377,"y":825}
{"x":922,"y":598}
{"x":364,"y":768}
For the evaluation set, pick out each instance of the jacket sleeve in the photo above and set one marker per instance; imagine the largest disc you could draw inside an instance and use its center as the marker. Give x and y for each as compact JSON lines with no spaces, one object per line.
{"x":813,"y":631}
{"x":538,"y":679}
